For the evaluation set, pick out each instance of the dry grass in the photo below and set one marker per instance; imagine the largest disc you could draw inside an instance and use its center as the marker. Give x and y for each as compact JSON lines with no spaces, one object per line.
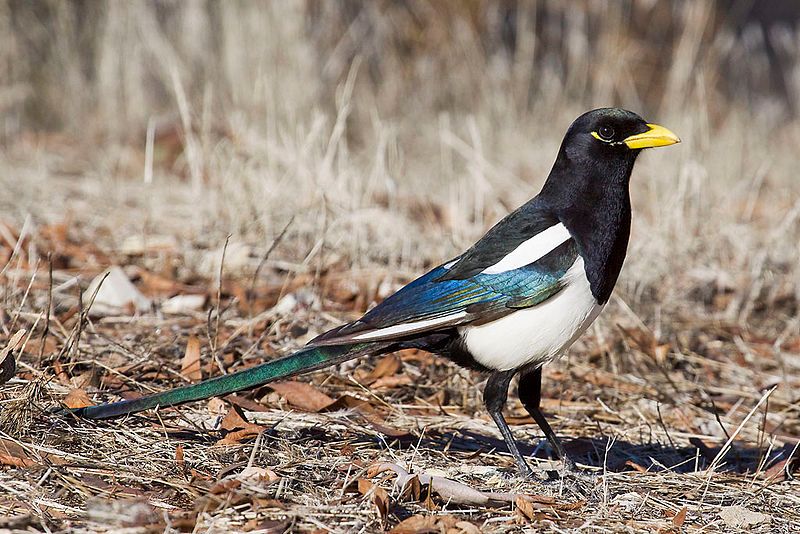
{"x":387,"y":157}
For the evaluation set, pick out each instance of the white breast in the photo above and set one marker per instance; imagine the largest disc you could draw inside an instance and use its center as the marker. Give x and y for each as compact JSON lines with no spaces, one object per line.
{"x":539,"y":334}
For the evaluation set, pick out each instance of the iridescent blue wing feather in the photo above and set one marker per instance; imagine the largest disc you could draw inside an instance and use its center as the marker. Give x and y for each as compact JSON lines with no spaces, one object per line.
{"x":436,"y":301}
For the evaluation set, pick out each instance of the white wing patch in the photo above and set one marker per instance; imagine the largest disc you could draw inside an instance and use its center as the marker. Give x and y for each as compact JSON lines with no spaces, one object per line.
{"x":450,"y":263}
{"x":531,"y":250}
{"x":408,"y":328}
{"x":538,"y":334}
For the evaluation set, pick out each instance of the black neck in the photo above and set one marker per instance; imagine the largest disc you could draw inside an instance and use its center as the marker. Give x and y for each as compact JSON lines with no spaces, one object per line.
{"x":591,"y":198}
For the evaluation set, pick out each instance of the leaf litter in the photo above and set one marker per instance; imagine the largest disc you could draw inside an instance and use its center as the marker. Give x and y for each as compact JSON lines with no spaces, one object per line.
{"x":407,"y":431}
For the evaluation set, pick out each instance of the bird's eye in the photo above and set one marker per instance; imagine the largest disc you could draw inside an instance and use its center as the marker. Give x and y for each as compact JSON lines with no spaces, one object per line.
{"x":606,"y":133}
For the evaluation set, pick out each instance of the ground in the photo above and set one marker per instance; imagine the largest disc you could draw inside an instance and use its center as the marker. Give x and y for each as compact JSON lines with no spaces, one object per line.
{"x":679,"y":404}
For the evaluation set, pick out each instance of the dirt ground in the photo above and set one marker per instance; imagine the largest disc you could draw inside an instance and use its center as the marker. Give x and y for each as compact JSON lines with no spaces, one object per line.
{"x":691,"y":428}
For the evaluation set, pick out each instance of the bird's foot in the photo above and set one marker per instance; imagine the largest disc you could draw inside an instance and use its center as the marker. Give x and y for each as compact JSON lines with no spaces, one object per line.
{"x":570,"y":479}
{"x":568,"y":470}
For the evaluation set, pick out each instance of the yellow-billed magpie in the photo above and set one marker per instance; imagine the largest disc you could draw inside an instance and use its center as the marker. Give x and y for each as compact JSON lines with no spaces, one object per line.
{"x":517,"y":299}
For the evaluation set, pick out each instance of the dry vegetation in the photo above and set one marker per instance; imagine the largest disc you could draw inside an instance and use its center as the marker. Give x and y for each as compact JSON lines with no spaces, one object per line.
{"x":385,"y":138}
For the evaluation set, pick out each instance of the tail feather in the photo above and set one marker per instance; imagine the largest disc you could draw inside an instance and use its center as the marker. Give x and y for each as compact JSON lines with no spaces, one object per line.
{"x":305,"y":360}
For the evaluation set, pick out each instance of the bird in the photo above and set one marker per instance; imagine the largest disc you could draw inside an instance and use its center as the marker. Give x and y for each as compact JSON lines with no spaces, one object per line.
{"x":514,"y":301}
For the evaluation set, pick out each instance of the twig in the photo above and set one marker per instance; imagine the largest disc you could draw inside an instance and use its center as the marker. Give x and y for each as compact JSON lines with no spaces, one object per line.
{"x":264,"y":258}
{"x":213,"y":340}
{"x":46,"y":329}
{"x":724,"y":450}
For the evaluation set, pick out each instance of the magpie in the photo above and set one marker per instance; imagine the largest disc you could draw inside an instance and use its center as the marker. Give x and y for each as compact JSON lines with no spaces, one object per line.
{"x":514,"y":301}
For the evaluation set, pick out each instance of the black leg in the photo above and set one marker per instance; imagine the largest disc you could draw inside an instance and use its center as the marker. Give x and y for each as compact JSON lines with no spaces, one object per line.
{"x":494,"y":397}
{"x":530,"y":394}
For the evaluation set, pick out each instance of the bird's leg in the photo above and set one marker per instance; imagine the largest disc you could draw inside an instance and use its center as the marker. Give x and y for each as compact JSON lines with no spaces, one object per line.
{"x":530,"y":394}
{"x":494,"y":397}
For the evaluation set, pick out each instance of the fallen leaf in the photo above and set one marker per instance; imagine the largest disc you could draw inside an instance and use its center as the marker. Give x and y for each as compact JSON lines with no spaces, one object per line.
{"x":190,"y":364}
{"x":12,"y":453}
{"x":680,"y":517}
{"x":183,"y":304}
{"x":417,"y":524}
{"x":386,"y":366}
{"x":467,"y":528}
{"x":377,"y":494}
{"x":302,"y":395}
{"x":116,"y":294}
{"x":640,"y":339}
{"x":783,"y":469}
{"x":348,"y":402}
{"x":636,"y":466}
{"x":412,"y":489}
{"x":77,"y":398}
{"x":224,"y":486}
{"x":741,"y":517}
{"x":234,"y":420}
{"x":525,"y":507}
{"x":16,"y":461}
{"x":179,"y":456}
{"x":269,"y":526}
{"x":217,"y":406}
{"x":247,"y":404}
{"x":391,"y":382}
{"x":236,"y":437}
{"x":256,"y":476}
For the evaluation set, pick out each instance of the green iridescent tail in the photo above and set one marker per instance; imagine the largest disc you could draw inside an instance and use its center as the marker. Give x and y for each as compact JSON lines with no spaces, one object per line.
{"x":305,"y":360}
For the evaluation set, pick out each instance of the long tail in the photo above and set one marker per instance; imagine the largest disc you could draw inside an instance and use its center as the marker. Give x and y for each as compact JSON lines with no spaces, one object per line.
{"x":305,"y":360}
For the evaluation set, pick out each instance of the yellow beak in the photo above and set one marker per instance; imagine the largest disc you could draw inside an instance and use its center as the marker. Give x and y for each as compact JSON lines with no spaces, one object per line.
{"x":655,"y":136}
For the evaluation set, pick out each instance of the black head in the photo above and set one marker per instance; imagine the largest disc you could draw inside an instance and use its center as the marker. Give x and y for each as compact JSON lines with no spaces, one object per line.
{"x":600,"y":147}
{"x":613,"y":133}
{"x":587,"y":190}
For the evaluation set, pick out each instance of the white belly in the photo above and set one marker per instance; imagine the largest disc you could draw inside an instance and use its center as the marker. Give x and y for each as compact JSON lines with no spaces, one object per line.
{"x":536,"y":335}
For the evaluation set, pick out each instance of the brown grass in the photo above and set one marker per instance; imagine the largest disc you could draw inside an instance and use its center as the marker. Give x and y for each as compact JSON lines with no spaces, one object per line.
{"x":392,"y":136}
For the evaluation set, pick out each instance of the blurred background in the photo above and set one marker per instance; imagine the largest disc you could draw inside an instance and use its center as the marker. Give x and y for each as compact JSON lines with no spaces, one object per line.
{"x":397,"y":131}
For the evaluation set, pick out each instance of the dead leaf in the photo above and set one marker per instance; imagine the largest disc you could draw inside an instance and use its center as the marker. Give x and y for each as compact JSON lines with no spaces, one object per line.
{"x":783,"y":469}
{"x":636,"y":466}
{"x":254,"y":476}
{"x":179,"y":456}
{"x":640,"y":339}
{"x":377,"y":494}
{"x":302,"y":395}
{"x":391,"y":382}
{"x":217,"y":406}
{"x":116,"y":294}
{"x":224,"y":486}
{"x":741,"y":517}
{"x":417,"y":524}
{"x":183,"y":304}
{"x":525,"y":507}
{"x":236,"y":437}
{"x":190,"y":364}
{"x":16,"y":461}
{"x":348,"y":402}
{"x":386,"y":366}
{"x":412,"y":490}
{"x":269,"y":526}
{"x":247,"y":404}
{"x":467,"y":528}
{"x":77,"y":398}
{"x":238,"y":427}
{"x":680,"y":517}
{"x":234,"y":420}
{"x":12,"y":453}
